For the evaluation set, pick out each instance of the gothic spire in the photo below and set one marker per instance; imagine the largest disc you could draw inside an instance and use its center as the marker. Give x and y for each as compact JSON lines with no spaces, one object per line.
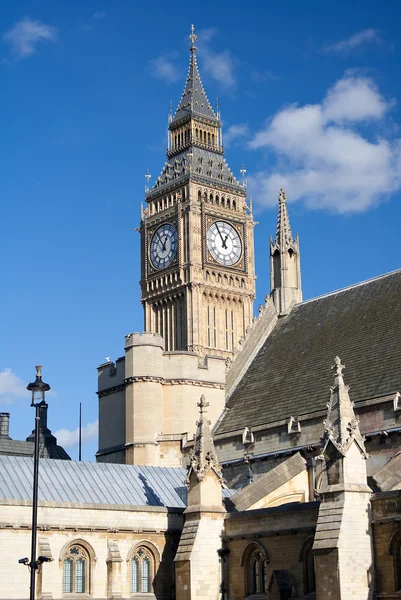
{"x":284,"y":237}
{"x":193,"y":99}
{"x":285,"y":267}
{"x":341,"y":427}
{"x":203,"y":457}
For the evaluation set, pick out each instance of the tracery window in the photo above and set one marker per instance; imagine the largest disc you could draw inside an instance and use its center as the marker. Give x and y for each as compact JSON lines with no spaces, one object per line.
{"x":256,"y":572}
{"x":76,"y":570}
{"x":142,"y":571}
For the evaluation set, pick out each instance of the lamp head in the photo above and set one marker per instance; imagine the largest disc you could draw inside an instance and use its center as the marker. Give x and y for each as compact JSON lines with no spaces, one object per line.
{"x":38,"y":388}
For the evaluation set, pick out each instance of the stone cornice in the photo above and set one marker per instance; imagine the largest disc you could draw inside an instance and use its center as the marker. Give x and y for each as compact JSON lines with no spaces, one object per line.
{"x":162,"y":381}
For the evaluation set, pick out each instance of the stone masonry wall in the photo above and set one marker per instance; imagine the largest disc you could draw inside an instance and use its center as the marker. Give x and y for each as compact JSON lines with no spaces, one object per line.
{"x":96,"y":526}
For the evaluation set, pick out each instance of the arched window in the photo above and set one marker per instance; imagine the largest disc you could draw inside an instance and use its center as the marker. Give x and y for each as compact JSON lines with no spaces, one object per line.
{"x":76,"y":569}
{"x":257,"y":571}
{"x":395,"y":550}
{"x":255,"y":561}
{"x":142,"y":570}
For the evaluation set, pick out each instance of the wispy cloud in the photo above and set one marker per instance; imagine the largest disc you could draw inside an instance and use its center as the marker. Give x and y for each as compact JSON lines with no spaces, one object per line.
{"x":219,"y":66}
{"x":99,"y":15}
{"x":235,"y":133}
{"x":325,"y":156}
{"x":67,"y":438}
{"x":25,"y":36}
{"x":163,"y":67}
{"x":263,"y":76}
{"x":11,"y":387}
{"x":366,"y":36}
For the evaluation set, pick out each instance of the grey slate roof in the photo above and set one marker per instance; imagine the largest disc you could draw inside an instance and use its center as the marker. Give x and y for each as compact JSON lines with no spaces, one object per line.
{"x":206,"y":166}
{"x":93,"y":483}
{"x":194,"y":100}
{"x":291,"y":376}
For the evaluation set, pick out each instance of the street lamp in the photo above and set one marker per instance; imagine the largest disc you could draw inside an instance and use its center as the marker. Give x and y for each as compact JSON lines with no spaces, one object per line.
{"x":38,"y":389}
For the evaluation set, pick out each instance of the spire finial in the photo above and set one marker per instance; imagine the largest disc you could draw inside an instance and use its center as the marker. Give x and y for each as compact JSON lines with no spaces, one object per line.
{"x":243,"y":171}
{"x":338,"y":367}
{"x":147,"y":177}
{"x":282,"y":197}
{"x":203,"y":405}
{"x":192,"y":38}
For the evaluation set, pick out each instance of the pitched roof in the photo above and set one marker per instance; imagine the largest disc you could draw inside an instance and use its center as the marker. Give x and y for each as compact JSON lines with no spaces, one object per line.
{"x":21,"y":448}
{"x":93,"y":483}
{"x":289,"y":375}
{"x":268,"y":482}
{"x":388,"y":477}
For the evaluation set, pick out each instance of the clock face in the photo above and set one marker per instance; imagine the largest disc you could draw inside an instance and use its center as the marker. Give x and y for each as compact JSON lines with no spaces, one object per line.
{"x":163,"y":246}
{"x":224,"y":243}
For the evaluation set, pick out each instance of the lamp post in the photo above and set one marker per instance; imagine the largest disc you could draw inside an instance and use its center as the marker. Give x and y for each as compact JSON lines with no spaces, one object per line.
{"x":38,"y":389}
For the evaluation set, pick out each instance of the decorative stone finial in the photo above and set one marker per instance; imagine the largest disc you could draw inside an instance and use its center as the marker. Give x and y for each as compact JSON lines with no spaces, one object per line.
{"x":192,"y":38}
{"x":203,"y":405}
{"x":338,"y":367}
{"x":203,"y":457}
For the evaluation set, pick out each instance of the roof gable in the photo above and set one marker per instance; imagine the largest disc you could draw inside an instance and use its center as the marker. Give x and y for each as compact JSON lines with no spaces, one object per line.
{"x":289,"y":375}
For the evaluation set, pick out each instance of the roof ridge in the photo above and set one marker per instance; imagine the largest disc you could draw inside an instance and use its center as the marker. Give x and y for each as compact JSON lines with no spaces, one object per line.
{"x":349,"y":287}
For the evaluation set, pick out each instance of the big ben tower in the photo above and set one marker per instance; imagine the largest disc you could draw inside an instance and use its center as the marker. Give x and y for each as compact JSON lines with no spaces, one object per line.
{"x":197,"y":276}
{"x":198,"y":288}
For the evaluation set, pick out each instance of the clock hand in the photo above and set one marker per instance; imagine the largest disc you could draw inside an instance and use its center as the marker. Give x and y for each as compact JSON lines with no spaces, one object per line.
{"x":164,"y":243}
{"x":219,"y":232}
{"x":224,"y":242}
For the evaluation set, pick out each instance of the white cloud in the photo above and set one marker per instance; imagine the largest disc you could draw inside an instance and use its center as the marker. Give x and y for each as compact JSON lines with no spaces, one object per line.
{"x":324,"y":159}
{"x":67,"y":438}
{"x":354,"y":41}
{"x":11,"y":386}
{"x":235,"y":132}
{"x":24,"y":37}
{"x":219,"y":66}
{"x":164,"y":68}
{"x":354,"y":98}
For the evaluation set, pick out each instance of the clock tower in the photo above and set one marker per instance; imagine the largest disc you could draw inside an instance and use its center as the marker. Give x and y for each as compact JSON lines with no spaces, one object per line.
{"x":197,"y":275}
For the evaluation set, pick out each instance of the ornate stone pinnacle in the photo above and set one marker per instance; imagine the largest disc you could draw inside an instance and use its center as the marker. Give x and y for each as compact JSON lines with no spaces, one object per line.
{"x":338,"y":367}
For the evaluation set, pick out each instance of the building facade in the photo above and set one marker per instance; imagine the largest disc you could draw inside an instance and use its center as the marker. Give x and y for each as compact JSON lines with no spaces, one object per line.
{"x":292,"y":477}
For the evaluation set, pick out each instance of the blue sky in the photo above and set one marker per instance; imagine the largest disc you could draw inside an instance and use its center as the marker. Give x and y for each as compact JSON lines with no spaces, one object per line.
{"x":310,"y":99}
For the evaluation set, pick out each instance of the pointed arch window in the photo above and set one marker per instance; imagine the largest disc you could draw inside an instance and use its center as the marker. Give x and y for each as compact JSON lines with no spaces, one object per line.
{"x":395,"y":550}
{"x":257,"y":572}
{"x":306,"y":557}
{"x":76,"y":570}
{"x":255,"y":563}
{"x":142,"y":569}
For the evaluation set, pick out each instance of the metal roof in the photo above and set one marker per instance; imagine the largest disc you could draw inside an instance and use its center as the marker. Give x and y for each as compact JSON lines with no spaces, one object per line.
{"x":93,"y":483}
